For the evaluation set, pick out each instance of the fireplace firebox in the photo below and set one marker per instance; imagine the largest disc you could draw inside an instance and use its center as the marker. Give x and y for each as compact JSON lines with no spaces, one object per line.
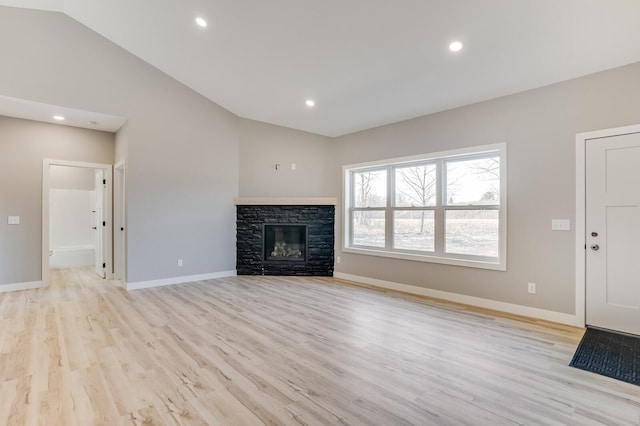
{"x":284,"y":242}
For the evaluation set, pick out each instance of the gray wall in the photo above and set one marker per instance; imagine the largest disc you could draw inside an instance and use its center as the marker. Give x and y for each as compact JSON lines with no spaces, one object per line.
{"x":23,"y":146}
{"x":539,"y":127}
{"x":181,"y":149}
{"x":262,"y":146}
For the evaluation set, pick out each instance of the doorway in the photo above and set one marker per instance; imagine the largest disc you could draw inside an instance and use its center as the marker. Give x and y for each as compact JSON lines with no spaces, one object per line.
{"x":56,"y":208}
{"x":608,"y":229}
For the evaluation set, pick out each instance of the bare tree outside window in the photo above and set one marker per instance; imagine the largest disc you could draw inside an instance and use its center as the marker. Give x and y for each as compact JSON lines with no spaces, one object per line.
{"x":370,"y":191}
{"x":473,"y":182}
{"x":370,"y":188}
{"x":416,"y":187}
{"x":489,"y":170}
{"x":363,"y":188}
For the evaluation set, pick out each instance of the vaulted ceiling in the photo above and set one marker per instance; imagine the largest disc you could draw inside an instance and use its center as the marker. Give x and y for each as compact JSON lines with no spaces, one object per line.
{"x":365,"y":63}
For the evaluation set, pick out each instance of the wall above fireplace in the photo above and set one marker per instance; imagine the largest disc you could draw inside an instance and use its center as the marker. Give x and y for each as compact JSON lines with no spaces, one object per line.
{"x":255,"y":215}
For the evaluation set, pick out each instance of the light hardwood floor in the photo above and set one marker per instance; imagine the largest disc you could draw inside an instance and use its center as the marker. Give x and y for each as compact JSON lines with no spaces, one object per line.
{"x":285,"y":351}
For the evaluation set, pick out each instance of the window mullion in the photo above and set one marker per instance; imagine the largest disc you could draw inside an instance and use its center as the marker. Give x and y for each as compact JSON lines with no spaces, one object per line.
{"x":439,"y":210}
{"x":389,"y":213}
{"x":475,"y":207}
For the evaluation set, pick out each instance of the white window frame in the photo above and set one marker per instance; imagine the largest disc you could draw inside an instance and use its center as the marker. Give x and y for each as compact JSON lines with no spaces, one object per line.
{"x":438,"y":256}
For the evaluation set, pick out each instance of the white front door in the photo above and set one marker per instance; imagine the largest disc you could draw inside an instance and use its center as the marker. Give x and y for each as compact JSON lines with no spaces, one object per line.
{"x":613,"y":233}
{"x":99,"y":223}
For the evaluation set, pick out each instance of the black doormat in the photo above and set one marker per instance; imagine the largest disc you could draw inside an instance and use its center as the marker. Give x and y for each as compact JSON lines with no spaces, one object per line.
{"x":610,"y":354}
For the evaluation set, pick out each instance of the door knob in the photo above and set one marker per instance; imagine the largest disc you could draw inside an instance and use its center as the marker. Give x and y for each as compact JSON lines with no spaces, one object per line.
{"x":595,"y":247}
{"x":594,"y":234}
{"x":94,"y":227}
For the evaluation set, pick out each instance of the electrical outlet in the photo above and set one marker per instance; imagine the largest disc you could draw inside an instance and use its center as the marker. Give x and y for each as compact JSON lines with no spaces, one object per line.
{"x":179,"y":262}
{"x":532,"y":288}
{"x":338,"y":259}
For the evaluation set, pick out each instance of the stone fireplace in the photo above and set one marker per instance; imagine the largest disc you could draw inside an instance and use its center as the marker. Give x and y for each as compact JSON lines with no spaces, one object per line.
{"x":292,"y":236}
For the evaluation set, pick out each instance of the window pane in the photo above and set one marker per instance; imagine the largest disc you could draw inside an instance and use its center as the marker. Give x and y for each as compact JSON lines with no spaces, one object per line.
{"x":370,"y":188}
{"x":473,"y":232}
{"x":416,"y":186}
{"x":473,"y":182}
{"x":413,"y":230}
{"x":368,"y":228}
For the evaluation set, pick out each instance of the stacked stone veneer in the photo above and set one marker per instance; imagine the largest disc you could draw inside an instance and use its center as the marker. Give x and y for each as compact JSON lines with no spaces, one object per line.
{"x":320,"y":221}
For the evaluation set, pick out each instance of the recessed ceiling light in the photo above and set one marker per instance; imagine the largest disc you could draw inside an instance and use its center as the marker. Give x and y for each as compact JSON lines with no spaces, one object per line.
{"x":201,"y":22}
{"x":58,"y":117}
{"x":456,"y":46}
{"x":310,"y":103}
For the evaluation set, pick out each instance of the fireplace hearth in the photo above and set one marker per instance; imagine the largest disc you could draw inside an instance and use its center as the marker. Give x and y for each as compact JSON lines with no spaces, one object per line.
{"x":285,"y":237}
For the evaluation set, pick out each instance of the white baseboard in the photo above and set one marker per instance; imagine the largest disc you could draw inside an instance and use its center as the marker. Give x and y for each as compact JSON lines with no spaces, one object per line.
{"x":510,"y":308}
{"x":20,"y":286}
{"x":178,"y":280}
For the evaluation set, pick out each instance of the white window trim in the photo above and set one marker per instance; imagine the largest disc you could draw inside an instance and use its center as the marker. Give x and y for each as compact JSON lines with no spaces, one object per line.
{"x":500,"y":265}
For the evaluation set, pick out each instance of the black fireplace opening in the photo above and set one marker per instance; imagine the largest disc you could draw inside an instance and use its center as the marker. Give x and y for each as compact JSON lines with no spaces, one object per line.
{"x":283,"y":242}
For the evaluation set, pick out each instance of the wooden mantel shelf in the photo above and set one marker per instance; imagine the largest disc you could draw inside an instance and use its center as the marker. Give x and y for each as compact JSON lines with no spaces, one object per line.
{"x":320,"y":201}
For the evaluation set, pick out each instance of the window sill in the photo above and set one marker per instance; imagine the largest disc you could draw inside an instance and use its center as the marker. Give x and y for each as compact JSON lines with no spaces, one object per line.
{"x":430,"y":259}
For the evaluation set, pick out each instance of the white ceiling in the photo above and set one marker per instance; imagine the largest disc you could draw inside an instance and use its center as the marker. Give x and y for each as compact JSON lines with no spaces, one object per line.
{"x":365,"y":62}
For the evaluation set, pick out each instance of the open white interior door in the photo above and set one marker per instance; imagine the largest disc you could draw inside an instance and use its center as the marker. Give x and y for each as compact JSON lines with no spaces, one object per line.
{"x":99,"y":223}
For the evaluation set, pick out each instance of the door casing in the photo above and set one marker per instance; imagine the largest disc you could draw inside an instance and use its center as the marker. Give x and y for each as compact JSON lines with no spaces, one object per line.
{"x":580,"y":224}
{"x":119,"y":220}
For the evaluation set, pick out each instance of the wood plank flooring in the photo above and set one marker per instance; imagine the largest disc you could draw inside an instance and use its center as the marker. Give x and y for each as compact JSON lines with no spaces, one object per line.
{"x":285,"y":351}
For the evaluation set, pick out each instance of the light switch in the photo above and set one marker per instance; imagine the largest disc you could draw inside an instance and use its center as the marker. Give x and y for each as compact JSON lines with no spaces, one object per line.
{"x":561,"y":225}
{"x":13,"y":220}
